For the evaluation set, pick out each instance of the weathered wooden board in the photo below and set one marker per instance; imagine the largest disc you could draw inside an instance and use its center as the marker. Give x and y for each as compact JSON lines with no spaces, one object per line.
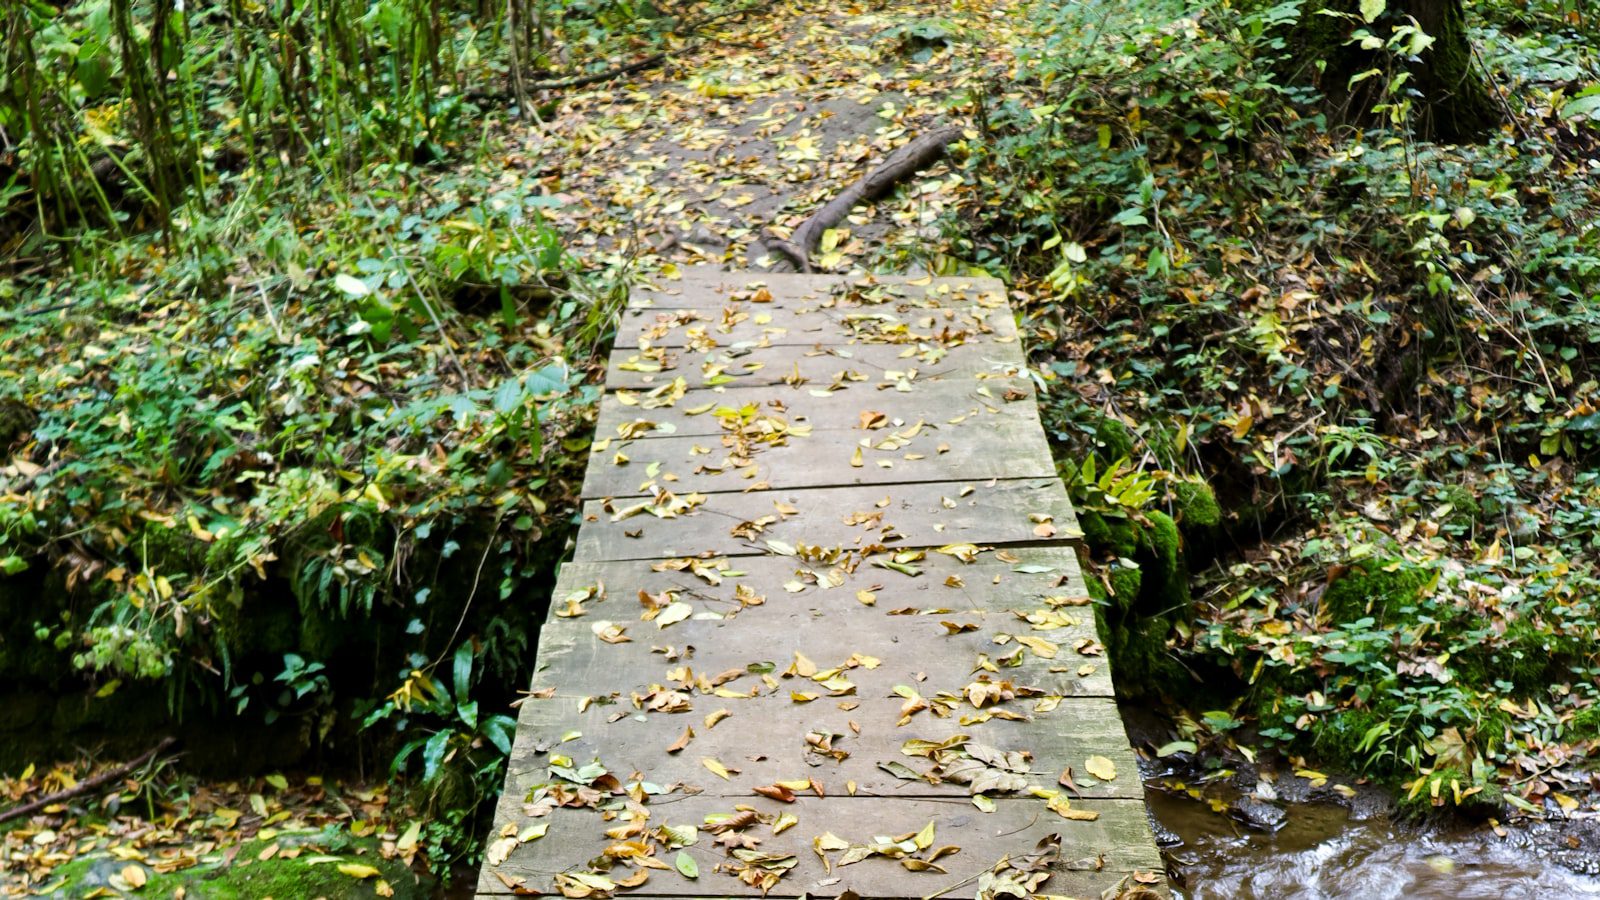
{"x":920,"y":654}
{"x":706,"y":287}
{"x":854,"y":518}
{"x":749,"y":456}
{"x":638,"y":741}
{"x":758,"y":597}
{"x":821,"y":321}
{"x":996,"y":580}
{"x":639,"y":414}
{"x":1094,"y":856}
{"x":813,"y":368}
{"x":709,"y":287}
{"x":766,"y":608}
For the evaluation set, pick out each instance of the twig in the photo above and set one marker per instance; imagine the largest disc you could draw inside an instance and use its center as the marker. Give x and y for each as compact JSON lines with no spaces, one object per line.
{"x":615,"y":72}
{"x":88,"y":784}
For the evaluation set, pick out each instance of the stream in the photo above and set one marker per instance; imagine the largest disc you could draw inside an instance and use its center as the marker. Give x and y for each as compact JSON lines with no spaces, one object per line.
{"x":1332,"y":850}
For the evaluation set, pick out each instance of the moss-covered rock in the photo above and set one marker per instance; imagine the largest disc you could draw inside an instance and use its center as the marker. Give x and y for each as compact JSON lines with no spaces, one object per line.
{"x":1195,"y":505}
{"x":1112,"y":441}
{"x":1109,"y":535}
{"x":1380,"y":589}
{"x":1166,"y":585}
{"x":329,"y":865}
{"x":1127,"y":580}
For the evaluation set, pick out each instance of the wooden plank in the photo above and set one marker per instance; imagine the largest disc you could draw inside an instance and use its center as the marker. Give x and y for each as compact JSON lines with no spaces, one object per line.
{"x":851,"y":518}
{"x":765,"y":740}
{"x":1094,"y":856}
{"x":762,"y":453}
{"x":707,"y":287}
{"x":817,"y":321}
{"x":765,"y":609}
{"x":813,"y":368}
{"x":638,"y":414}
{"x":996,"y":582}
{"x":1073,"y":664}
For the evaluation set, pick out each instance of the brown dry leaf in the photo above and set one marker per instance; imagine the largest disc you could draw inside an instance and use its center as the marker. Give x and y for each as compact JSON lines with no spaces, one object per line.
{"x":683,"y":740}
{"x":776,"y":792}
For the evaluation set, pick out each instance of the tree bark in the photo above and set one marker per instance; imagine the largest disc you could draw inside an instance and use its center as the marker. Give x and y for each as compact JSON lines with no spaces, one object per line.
{"x":1455,"y":103}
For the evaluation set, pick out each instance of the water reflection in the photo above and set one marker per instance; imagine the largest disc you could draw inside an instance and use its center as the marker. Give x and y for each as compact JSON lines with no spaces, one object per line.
{"x":1322,"y":853}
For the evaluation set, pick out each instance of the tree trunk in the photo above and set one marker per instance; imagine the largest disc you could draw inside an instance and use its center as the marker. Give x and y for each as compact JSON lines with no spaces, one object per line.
{"x":1457,"y":106}
{"x":1455,"y":103}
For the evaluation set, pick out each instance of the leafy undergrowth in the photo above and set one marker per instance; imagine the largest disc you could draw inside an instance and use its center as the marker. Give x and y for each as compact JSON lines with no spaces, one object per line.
{"x":292,"y":442}
{"x":1377,"y":352}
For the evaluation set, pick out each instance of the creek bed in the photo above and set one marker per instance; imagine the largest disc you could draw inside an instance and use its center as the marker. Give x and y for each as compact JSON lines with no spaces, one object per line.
{"x":1332,"y":850}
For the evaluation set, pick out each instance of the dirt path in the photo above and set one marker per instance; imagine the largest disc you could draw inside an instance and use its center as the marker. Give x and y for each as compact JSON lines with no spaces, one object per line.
{"x":758,"y":127}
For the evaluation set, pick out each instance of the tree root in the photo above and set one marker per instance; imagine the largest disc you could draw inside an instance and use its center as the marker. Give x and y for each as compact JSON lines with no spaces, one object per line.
{"x":907,"y":160}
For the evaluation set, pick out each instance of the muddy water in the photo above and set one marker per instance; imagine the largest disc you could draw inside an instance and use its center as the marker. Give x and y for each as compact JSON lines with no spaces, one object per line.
{"x":1321,"y":851}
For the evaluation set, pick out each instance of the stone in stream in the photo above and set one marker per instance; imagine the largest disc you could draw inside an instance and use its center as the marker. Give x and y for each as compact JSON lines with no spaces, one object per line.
{"x":1258,"y":815}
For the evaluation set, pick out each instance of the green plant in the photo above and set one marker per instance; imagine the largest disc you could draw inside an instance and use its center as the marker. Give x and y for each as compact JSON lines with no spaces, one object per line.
{"x":459,"y":754}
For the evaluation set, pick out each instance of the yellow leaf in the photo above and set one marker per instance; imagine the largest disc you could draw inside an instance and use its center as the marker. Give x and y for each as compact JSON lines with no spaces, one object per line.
{"x":134,"y":876}
{"x":717,"y":768}
{"x":358,"y":870}
{"x":803,"y":667}
{"x":1101,"y":768}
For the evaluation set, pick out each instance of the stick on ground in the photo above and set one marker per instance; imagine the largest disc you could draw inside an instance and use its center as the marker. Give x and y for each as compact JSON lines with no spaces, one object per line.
{"x":88,"y":785}
{"x":907,"y":160}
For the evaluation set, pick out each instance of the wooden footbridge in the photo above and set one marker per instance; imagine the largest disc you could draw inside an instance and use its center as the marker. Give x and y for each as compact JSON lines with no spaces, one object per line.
{"x":824,"y":633}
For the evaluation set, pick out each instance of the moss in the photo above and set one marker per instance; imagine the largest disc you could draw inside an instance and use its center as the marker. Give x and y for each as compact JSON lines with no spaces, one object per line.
{"x":1464,"y":507}
{"x":1112,"y":441}
{"x":1196,"y":504}
{"x":1376,"y":588}
{"x":1337,"y":737}
{"x":170,"y":550}
{"x":1585,"y":723}
{"x":248,"y":878}
{"x":1109,"y":535}
{"x":1126,"y":582}
{"x":1524,"y":656}
{"x":1166,"y":587}
{"x":1096,"y":533}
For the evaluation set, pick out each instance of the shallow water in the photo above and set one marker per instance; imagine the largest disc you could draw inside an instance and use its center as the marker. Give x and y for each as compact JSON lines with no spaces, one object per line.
{"x":1321,"y":852}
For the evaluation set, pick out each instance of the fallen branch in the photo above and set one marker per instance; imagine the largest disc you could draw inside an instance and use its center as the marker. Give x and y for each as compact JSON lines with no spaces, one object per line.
{"x":907,"y":160}
{"x":87,"y":785}
{"x":610,"y":74}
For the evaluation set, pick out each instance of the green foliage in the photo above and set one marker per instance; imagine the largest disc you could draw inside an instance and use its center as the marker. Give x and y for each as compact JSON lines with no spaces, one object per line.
{"x":295,"y":415}
{"x":1376,"y":352}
